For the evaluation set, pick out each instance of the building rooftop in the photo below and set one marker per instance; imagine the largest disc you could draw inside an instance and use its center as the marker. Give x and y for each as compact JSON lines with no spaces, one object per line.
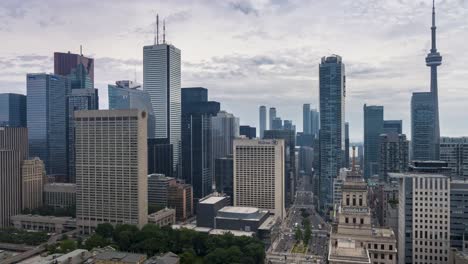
{"x":238,"y":210}
{"x":347,"y":252}
{"x":383,"y":232}
{"x":234,"y":232}
{"x":124,"y":257}
{"x":167,"y":258}
{"x":212,"y":199}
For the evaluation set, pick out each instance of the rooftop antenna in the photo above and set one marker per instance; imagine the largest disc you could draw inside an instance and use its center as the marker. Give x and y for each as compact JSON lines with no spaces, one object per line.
{"x":135,"y":75}
{"x":164,"y":31}
{"x":81,"y":50}
{"x":354,"y":159}
{"x":156,"y":37}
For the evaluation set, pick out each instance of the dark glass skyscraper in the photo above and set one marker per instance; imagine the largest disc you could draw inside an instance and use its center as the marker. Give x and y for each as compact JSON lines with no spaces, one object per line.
{"x":306,"y":119}
{"x":47,"y":117}
{"x":395,"y":126}
{"x":78,"y":68}
{"x":196,"y":141}
{"x":373,"y":127}
{"x":13,"y":110}
{"x":248,"y":131}
{"x":262,"y":117}
{"x":332,"y":90}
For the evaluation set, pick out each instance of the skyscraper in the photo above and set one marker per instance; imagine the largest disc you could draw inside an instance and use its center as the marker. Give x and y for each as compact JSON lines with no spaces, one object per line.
{"x":289,"y":137}
{"x":306,"y":119}
{"x":272,"y":116}
{"x":248,"y":131}
{"x":314,"y":122}
{"x":197,"y":161}
{"x":346,"y":152}
{"x":48,"y":120}
{"x":259,"y":174}
{"x":393,"y":154}
{"x":13,"y":110}
{"x":332,"y":88}
{"x":78,"y":68}
{"x":276,"y":124}
{"x":111,"y":169}
{"x":262,"y":117}
{"x":433,"y":60}
{"x":225,"y":128}
{"x":13,"y":150}
{"x":393,"y":126}
{"x":423,"y":127}
{"x":373,"y":127}
{"x":126,"y":94}
{"x":162,"y":81}
{"x":455,"y":152}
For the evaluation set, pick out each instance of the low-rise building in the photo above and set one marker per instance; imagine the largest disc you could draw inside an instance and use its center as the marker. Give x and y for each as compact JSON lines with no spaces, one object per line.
{"x":207,"y":209}
{"x":116,"y":257}
{"x":49,"y":224}
{"x":164,"y":217}
{"x":60,"y":195}
{"x":167,"y":258}
{"x":247,"y":219}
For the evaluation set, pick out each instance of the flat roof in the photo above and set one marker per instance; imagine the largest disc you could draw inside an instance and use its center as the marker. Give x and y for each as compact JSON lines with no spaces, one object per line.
{"x":212,"y":199}
{"x":238,"y":210}
{"x":234,"y":232}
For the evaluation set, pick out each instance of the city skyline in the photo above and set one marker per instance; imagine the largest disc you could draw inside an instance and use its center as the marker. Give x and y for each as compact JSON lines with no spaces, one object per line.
{"x":244,"y":54}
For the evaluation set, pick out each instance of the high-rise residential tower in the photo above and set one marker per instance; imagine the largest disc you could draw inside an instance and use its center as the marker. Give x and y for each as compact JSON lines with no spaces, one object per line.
{"x":47,"y":116}
{"x":162,"y":81}
{"x":373,"y":127}
{"x":272,"y":116}
{"x":262,"y":117}
{"x":332,"y":88}
{"x":259,"y":174}
{"x":13,"y":110}
{"x":111,"y":169}
{"x":306,"y":119}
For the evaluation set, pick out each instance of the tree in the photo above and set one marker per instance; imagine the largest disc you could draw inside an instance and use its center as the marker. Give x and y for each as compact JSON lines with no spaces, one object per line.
{"x":105,"y":230}
{"x":188,"y":257}
{"x":67,"y":245}
{"x":307,"y":233}
{"x":95,"y":241}
{"x":298,"y":234}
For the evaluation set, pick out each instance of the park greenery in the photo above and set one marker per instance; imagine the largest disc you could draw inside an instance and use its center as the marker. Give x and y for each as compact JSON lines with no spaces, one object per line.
{"x":303,"y":234}
{"x":15,"y":236}
{"x":191,"y":246}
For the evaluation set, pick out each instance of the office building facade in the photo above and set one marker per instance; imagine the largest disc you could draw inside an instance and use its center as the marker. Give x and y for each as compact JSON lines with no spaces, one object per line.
{"x":395,"y":126}
{"x":13,"y":150}
{"x":162,"y":81}
{"x":248,"y":131}
{"x":33,"y":177}
{"x":458,"y":214}
{"x":306,"y":119}
{"x":13,"y":110}
{"x":47,"y":117}
{"x":78,"y":68}
{"x":160,"y":156}
{"x":271,"y":117}
{"x":393,"y":154}
{"x":454,"y":151}
{"x":158,"y":189}
{"x":332,"y":89}
{"x":111,"y":169}
{"x":224,"y":175}
{"x":262,"y":120}
{"x":314,"y":122}
{"x":373,"y":127}
{"x":423,"y":127}
{"x":60,"y":195}
{"x":259,"y":174}
{"x":180,"y":198}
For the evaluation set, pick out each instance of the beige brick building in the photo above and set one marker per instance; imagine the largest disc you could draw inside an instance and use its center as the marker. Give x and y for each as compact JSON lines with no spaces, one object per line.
{"x":33,"y":177}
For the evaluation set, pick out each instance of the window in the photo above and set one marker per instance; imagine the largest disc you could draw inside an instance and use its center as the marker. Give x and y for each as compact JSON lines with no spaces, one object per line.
{"x":346,"y":220}
{"x":362,"y":221}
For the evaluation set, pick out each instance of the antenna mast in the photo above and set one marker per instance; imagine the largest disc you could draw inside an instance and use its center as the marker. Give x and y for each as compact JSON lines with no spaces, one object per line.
{"x":164,"y":31}
{"x":156,"y":37}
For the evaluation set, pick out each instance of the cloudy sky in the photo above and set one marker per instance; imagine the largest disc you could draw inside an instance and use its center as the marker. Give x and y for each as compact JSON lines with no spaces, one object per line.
{"x":254,"y":52}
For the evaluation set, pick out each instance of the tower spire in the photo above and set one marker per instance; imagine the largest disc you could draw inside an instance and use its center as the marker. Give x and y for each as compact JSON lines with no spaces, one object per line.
{"x":164,"y":31}
{"x":433,"y":28}
{"x":156,"y":33}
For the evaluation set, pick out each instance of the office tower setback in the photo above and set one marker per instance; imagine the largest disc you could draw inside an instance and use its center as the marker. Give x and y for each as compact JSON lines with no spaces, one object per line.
{"x":180,"y":197}
{"x":158,"y":189}
{"x":13,"y":110}
{"x":33,"y":177}
{"x":162,"y":80}
{"x":77,"y":100}
{"x":225,"y":128}
{"x":126,"y":94}
{"x":306,"y":119}
{"x":455,"y":152}
{"x":224,"y":175}
{"x":424,"y":218}
{"x":390,"y":126}
{"x":290,"y":180}
{"x":393,"y":154}
{"x":197,"y":161}
{"x":423,"y":127}
{"x":13,"y":150}
{"x":259,"y":174}
{"x":160,"y":158}
{"x":332,"y":89}
{"x":263,"y":123}
{"x":272,"y":116}
{"x":248,"y":131}
{"x":314,"y":122}
{"x":78,"y":68}
{"x":111,"y":169}
{"x":373,"y":127}
{"x":47,"y":120}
